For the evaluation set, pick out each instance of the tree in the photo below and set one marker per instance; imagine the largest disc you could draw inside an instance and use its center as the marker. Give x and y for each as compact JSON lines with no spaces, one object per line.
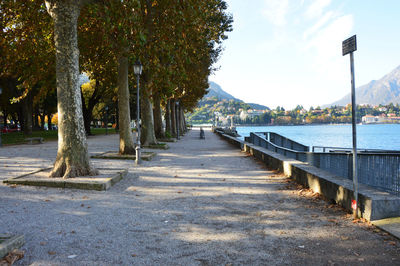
{"x":72,"y":155}
{"x":117,"y":20}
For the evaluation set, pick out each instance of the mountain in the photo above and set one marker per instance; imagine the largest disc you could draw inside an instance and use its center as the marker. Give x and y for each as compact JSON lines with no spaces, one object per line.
{"x":257,"y":106}
{"x":215,"y":90}
{"x":383,"y":91}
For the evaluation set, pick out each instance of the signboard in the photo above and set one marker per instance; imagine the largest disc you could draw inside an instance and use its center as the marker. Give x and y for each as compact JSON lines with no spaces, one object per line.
{"x":349,"y":45}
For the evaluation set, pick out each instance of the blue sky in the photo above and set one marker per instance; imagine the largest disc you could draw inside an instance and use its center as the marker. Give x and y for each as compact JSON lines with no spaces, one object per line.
{"x":289,"y":52}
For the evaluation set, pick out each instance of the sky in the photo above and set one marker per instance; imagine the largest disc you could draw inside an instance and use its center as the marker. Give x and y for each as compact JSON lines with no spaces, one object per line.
{"x":289,"y":52}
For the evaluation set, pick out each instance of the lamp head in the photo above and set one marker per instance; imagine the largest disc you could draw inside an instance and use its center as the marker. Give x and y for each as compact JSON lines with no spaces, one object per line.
{"x":137,"y":68}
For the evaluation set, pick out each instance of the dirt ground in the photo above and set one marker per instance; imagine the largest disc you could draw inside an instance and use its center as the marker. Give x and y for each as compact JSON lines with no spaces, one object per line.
{"x":202,"y":202}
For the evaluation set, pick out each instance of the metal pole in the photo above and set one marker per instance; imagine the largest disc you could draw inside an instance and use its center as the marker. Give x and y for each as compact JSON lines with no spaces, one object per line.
{"x":353,"y":120}
{"x":137,"y":149}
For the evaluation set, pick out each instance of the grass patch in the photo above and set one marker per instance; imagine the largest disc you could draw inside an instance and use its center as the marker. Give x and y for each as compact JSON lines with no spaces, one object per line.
{"x":102,"y":131}
{"x":19,"y":137}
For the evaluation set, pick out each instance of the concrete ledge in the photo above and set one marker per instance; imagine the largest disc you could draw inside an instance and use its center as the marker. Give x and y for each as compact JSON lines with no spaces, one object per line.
{"x":373,"y":204}
{"x":104,"y":181}
{"x":390,"y":225}
{"x":145,"y":156}
{"x":8,"y":243}
{"x":159,"y":146}
{"x":168,"y":140}
{"x":233,"y":140}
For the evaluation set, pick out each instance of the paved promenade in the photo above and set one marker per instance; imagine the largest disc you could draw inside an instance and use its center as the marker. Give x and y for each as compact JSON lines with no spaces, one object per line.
{"x":202,"y":202}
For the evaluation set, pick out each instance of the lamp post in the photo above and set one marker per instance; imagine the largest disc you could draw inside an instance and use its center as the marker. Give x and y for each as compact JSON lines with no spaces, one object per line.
{"x":177,"y":119}
{"x":137,"y":69}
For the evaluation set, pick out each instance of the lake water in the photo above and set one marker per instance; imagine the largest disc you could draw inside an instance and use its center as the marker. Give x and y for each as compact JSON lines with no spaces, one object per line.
{"x":378,"y":136}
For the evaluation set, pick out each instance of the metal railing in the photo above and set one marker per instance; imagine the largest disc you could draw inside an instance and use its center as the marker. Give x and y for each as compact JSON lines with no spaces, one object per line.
{"x":377,"y":168}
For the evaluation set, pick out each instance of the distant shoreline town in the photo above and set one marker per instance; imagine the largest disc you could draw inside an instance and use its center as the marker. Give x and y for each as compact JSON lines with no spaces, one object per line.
{"x":223,"y":112}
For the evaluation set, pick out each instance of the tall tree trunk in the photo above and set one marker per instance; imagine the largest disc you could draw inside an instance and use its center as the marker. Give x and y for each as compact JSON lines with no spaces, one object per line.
{"x":72,"y":155}
{"x":87,"y":116}
{"x":168,"y":117}
{"x":21,"y":116}
{"x":147,"y":135}
{"x":36,"y":118}
{"x":42,"y":118}
{"x":117,"y":117}
{"x":5,"y":117}
{"x":158,"y":126}
{"x":49,"y":125}
{"x":28,"y":116}
{"x":126,"y":144}
{"x":173,"y":117}
{"x":182,"y":120}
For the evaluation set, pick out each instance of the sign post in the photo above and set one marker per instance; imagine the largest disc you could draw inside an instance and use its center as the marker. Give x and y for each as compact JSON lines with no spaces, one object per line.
{"x":348,"y":47}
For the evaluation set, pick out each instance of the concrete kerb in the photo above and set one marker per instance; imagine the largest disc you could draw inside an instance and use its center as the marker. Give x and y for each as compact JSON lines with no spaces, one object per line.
{"x":8,"y":243}
{"x":390,"y":225}
{"x":101,"y":182}
{"x":373,"y":204}
{"x":145,"y":156}
{"x":159,"y":146}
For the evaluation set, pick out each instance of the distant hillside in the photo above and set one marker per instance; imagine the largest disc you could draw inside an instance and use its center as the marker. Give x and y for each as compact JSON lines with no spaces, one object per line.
{"x":215,"y":90}
{"x":383,"y":91}
{"x":258,"y":106}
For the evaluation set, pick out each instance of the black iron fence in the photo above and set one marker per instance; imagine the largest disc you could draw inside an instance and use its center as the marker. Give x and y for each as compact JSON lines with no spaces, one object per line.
{"x":376,"y":168}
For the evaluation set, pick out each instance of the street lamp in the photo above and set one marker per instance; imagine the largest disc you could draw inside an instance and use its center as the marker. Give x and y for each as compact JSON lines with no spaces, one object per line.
{"x":137,"y":69}
{"x":177,"y":115}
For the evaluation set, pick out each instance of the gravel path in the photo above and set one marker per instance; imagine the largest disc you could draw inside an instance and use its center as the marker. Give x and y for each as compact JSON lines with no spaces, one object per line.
{"x":202,"y":202}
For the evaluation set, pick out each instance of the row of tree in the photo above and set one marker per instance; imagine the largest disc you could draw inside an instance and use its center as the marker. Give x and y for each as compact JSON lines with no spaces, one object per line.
{"x":177,"y":41}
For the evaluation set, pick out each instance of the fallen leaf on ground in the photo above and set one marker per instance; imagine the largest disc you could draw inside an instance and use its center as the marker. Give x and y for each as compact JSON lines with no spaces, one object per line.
{"x":52,"y":253}
{"x":179,"y":192}
{"x":344,"y":237}
{"x":12,"y":257}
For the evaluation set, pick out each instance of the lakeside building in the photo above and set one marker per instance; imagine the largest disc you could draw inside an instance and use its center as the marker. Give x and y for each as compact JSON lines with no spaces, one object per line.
{"x":381,"y":119}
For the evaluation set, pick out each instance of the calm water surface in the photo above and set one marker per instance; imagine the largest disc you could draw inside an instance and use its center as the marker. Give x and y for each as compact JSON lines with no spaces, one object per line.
{"x":383,"y":136}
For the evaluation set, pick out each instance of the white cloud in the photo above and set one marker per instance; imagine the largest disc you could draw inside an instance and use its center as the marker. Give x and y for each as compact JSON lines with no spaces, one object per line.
{"x":317,"y":26}
{"x":276,"y":11}
{"x":328,"y":41}
{"x":316,"y":9}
